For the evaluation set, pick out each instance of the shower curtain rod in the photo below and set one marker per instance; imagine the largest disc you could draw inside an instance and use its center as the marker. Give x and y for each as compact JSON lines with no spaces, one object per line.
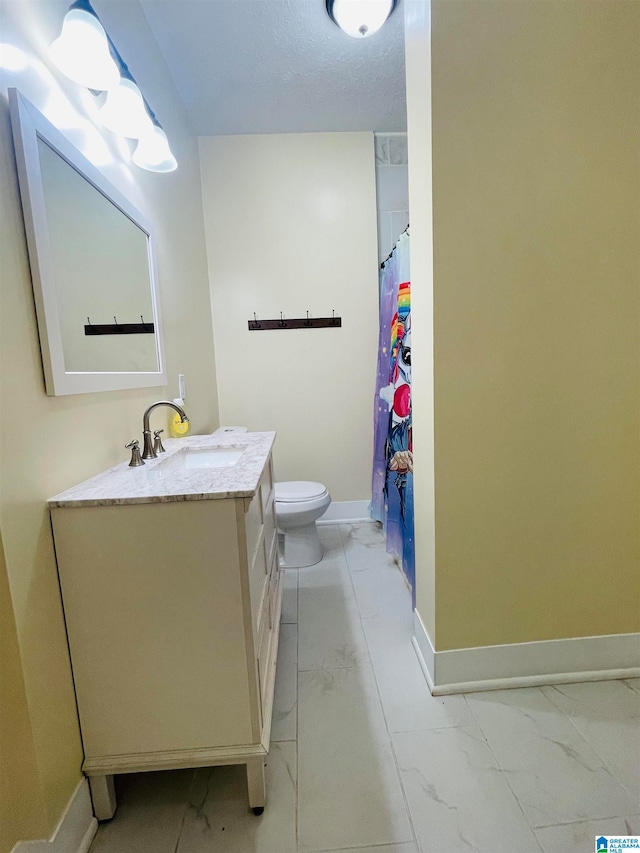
{"x":388,"y":258}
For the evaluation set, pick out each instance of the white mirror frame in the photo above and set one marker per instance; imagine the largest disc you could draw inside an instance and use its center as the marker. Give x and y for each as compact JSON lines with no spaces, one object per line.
{"x":28,"y":124}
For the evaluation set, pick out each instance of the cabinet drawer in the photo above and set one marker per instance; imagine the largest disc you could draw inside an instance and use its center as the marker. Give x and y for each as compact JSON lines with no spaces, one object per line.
{"x":258,"y":584}
{"x":253,"y":520}
{"x":263,"y":664}
{"x":274,"y":602}
{"x":264,"y":621}
{"x":266,"y":484}
{"x":270,"y":530}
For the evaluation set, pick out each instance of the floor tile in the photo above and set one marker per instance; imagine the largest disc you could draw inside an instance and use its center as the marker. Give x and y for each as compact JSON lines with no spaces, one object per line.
{"x":349,"y":793}
{"x":151,"y":807}
{"x":331,"y":547}
{"x":331,"y":540}
{"x":554,"y":773}
{"x":285,"y":700}
{"x":580,"y":837}
{"x":407,"y":703}
{"x":381,"y":591}
{"x":290,"y":596}
{"x":327,"y":532}
{"x":331,"y":573}
{"x":330,"y":631}
{"x":366,"y":551}
{"x":632,"y":824}
{"x":458,"y":798}
{"x":369,"y":532}
{"x":362,"y":557}
{"x":218,"y":817}
{"x":607,"y":714}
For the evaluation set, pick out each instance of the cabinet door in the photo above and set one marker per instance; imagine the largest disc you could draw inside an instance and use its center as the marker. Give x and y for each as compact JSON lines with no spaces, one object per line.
{"x":154,"y":610}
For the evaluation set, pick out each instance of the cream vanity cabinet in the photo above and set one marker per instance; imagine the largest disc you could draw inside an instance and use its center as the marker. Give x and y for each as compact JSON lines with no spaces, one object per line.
{"x":172,"y":607}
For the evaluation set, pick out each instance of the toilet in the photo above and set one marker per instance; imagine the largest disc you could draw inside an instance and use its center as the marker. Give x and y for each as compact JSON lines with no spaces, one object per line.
{"x":299,"y":504}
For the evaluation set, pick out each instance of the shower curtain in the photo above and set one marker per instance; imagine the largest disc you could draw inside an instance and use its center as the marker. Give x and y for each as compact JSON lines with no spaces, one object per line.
{"x":392,"y":488}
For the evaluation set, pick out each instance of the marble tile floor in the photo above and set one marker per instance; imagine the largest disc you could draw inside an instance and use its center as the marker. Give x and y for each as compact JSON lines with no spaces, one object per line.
{"x":364,"y":760}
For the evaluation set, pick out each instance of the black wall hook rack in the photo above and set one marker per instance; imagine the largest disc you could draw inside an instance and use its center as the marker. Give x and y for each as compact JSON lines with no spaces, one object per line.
{"x":307,"y":322}
{"x":116,"y":328}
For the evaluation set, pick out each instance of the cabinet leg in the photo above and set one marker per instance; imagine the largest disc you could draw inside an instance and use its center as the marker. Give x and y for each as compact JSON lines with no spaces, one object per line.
{"x":103,"y":796}
{"x":256,"y":785}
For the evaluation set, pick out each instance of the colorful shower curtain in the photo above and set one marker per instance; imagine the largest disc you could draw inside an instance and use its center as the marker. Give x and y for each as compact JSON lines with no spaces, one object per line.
{"x":392,"y":491}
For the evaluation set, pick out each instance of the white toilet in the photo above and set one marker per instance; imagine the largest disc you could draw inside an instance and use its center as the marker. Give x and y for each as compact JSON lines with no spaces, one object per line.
{"x":299,"y":504}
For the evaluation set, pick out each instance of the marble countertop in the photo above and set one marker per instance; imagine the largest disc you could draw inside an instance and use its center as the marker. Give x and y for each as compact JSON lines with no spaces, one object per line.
{"x":159,"y":482}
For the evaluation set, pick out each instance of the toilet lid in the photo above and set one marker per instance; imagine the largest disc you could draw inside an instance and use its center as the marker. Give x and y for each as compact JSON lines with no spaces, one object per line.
{"x":299,"y":490}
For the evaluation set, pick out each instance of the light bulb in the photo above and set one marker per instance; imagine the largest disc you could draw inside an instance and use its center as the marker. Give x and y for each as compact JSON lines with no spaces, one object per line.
{"x":82,"y":52}
{"x":360,"y":18}
{"x":124,"y":111}
{"x":153,"y":152}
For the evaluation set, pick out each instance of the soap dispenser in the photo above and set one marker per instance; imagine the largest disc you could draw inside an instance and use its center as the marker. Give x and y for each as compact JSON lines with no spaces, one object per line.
{"x":178,"y":429}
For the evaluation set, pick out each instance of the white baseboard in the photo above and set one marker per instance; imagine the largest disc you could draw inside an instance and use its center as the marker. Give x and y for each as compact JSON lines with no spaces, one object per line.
{"x":76,"y":829}
{"x":526,"y":664}
{"x":424,"y":650}
{"x":346,"y":512}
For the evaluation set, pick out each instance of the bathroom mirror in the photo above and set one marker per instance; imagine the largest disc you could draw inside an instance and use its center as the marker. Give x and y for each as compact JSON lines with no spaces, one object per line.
{"x":92,"y":266}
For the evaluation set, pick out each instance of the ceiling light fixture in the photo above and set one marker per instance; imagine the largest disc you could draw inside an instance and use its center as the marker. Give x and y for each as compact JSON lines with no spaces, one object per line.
{"x":85,"y":53}
{"x":360,"y":18}
{"x":82,"y":52}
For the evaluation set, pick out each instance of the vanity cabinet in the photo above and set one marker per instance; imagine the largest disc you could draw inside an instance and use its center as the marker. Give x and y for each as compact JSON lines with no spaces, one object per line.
{"x":172,"y":608}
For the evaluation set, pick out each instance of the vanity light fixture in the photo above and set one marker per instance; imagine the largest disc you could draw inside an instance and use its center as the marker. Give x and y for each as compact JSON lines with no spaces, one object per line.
{"x":85,"y":53}
{"x":82,"y":52}
{"x":153,"y":152}
{"x":124,"y":112}
{"x":360,"y":18}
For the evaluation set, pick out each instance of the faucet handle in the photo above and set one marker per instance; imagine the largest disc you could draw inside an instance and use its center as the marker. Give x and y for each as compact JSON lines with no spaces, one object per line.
{"x":136,"y":459}
{"x":157,"y":441}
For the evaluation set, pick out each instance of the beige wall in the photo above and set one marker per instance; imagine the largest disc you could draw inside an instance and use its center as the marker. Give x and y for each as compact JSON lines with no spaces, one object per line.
{"x":291,"y":226}
{"x":418,"y":65}
{"x":21,"y":805}
{"x":46,"y":443}
{"x":537,"y":280}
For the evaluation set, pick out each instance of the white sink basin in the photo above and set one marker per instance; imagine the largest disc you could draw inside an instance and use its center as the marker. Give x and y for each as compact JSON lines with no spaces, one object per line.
{"x":192,"y":458}
{"x":210,"y":457}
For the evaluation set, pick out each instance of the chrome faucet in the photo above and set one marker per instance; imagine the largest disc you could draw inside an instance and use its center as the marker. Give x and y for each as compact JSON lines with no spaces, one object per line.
{"x":148,"y":451}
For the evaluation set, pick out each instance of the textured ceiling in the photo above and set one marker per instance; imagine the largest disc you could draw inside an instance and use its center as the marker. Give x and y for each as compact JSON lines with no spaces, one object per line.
{"x":279,"y":66}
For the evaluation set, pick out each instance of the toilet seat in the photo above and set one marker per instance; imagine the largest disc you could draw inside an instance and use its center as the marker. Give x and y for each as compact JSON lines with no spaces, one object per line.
{"x":299,"y":491}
